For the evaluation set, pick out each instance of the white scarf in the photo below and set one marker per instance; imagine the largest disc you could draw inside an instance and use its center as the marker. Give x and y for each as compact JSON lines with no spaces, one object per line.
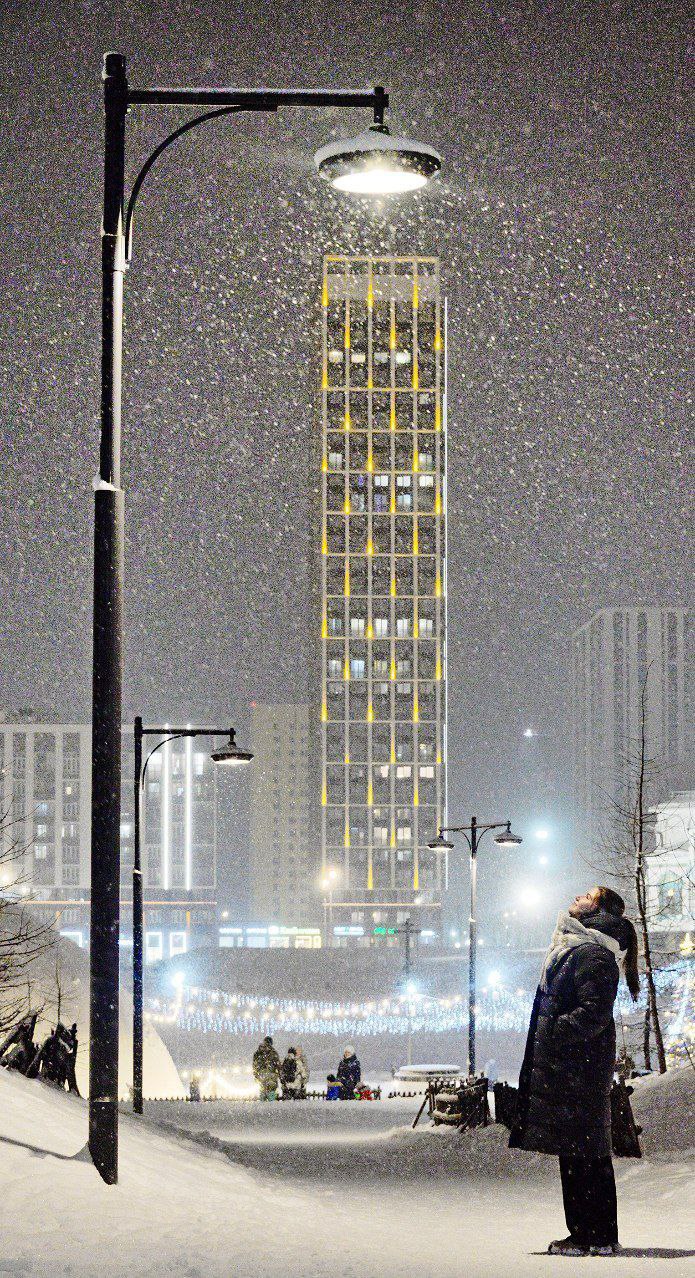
{"x":570,"y":932}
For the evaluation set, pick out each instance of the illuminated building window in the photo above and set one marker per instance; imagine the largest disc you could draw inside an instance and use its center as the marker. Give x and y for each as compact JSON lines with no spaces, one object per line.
{"x":357,"y":627}
{"x":357,"y":668}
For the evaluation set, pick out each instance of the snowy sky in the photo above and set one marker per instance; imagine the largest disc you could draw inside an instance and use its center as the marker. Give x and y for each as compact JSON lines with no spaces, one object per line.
{"x":560,"y":222}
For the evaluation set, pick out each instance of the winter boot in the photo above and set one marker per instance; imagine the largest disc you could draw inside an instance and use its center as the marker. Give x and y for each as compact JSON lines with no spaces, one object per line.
{"x":567,"y":1247}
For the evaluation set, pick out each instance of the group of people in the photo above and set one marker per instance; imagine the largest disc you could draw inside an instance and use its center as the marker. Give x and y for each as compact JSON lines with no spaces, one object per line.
{"x":276,"y":1078}
{"x":287,"y":1079}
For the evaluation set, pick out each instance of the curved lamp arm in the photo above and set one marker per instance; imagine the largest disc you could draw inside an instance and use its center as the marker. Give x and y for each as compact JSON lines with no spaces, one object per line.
{"x":167,"y":741}
{"x":184,"y":128}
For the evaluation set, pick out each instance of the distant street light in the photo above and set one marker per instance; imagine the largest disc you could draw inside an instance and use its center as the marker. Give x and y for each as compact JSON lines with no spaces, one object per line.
{"x":397,"y":160}
{"x":472,"y":834}
{"x":227,"y":755}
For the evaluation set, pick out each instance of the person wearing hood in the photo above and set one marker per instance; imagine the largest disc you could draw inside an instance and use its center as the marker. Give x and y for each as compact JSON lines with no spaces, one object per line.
{"x":564,"y":1103}
{"x":349,"y":1073}
{"x":266,"y":1069}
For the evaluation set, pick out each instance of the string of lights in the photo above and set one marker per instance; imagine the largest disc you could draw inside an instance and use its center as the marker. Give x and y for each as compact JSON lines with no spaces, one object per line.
{"x":499,"y":1009}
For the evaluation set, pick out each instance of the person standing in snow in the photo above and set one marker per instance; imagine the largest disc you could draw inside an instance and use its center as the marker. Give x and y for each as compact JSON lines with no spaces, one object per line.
{"x":266,"y":1069}
{"x":289,"y":1076}
{"x":565,"y":1081}
{"x":302,"y":1072}
{"x":349,"y":1073}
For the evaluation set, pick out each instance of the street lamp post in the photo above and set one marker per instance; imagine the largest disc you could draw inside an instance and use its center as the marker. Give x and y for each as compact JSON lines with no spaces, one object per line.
{"x":230,"y":756}
{"x":402,"y":166}
{"x":472,"y":834}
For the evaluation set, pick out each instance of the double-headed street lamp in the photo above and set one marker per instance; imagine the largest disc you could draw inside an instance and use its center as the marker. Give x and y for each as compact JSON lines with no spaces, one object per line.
{"x":472,"y":834}
{"x":229,"y":755}
{"x":374,"y":163}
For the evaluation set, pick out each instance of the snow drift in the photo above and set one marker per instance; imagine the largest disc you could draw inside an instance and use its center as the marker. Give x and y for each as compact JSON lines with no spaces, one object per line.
{"x":58,"y":979}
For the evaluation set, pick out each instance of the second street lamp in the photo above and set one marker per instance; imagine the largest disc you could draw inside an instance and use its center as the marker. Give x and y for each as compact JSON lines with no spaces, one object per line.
{"x":472,"y":834}
{"x":229,"y":755}
{"x":109,"y":518}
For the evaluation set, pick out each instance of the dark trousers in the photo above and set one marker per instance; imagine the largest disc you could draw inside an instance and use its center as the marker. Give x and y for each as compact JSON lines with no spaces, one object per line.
{"x":591,"y":1206}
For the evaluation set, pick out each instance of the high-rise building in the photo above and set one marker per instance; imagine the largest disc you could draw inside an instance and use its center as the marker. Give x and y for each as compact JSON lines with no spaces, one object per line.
{"x":179,"y":834}
{"x":671,"y":865}
{"x":615,"y":655}
{"x":380,"y":719}
{"x":284,"y":871}
{"x":45,"y":784}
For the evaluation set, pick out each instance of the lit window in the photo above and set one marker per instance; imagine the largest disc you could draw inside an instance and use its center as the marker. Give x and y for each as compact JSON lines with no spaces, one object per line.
{"x":381,"y":629}
{"x":357,"y":626}
{"x":427,"y":773}
{"x":357,"y":668}
{"x":404,"y":771}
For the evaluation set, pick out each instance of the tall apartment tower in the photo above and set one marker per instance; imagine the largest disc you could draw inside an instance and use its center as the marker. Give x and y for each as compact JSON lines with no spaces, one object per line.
{"x":612,"y":656}
{"x":285,"y":887}
{"x":382,"y":710}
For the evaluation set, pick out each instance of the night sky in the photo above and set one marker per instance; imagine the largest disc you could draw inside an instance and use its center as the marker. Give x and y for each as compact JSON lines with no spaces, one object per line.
{"x":560,"y":220}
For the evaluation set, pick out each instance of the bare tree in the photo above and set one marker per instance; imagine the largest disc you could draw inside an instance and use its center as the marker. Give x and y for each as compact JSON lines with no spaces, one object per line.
{"x":22,"y":938}
{"x":629,"y":856}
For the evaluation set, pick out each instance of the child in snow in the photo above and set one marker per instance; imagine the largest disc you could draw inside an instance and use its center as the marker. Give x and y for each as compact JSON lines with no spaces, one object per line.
{"x":333,"y":1089}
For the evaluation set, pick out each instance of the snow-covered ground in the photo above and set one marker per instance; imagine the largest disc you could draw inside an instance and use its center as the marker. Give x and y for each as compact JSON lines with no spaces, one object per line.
{"x":341,"y":1190}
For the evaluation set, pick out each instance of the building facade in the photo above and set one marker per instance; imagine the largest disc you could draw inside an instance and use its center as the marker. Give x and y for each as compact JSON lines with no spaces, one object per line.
{"x":614,"y":656}
{"x":380,"y":719}
{"x":45,"y":783}
{"x":284,"y":885}
{"x":671,"y":866}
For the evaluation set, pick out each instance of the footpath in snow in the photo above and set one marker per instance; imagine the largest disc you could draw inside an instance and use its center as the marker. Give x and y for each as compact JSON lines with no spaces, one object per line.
{"x":343,"y":1190}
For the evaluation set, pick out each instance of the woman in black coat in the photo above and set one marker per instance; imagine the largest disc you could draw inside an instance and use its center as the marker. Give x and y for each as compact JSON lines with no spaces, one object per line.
{"x":565,"y":1080}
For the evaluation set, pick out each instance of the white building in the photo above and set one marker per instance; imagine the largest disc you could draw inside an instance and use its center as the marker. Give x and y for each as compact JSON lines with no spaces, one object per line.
{"x":284,"y":871}
{"x":671,"y":867}
{"x":614,"y":655}
{"x":45,"y":788}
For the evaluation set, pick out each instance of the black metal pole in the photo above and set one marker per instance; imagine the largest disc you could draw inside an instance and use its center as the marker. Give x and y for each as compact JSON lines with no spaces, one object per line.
{"x":138,"y":971}
{"x":472,"y":948}
{"x":107,"y":655}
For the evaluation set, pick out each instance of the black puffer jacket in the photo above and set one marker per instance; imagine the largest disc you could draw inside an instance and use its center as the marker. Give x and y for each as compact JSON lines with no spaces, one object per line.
{"x":565,"y":1079}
